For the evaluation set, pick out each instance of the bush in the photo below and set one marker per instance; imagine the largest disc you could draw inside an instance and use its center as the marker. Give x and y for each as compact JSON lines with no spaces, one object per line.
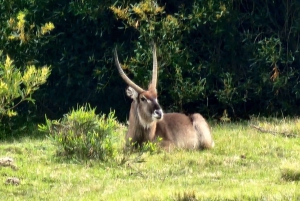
{"x":83,"y":134}
{"x":15,"y":85}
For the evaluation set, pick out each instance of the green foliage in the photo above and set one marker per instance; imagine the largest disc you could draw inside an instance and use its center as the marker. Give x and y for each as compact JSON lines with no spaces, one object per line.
{"x":238,"y":56}
{"x":147,"y":147}
{"x":151,"y":147}
{"x":18,"y":127}
{"x":18,"y":27}
{"x":219,"y":55}
{"x":83,"y":134}
{"x":79,"y":51}
{"x":23,"y":33}
{"x":153,"y":23}
{"x":15,"y":85}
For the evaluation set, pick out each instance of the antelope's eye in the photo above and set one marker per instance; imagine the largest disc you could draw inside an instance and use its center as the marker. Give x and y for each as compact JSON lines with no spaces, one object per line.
{"x":143,"y":99}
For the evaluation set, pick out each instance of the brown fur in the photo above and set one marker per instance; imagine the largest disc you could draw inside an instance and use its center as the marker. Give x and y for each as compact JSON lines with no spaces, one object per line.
{"x":175,"y":129}
{"x":147,"y":121}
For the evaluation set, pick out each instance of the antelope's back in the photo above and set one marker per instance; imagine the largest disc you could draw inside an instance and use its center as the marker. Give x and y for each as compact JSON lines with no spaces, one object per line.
{"x":178,"y":129}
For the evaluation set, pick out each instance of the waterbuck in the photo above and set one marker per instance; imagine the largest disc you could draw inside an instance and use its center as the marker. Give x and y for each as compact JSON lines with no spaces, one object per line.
{"x":147,"y":121}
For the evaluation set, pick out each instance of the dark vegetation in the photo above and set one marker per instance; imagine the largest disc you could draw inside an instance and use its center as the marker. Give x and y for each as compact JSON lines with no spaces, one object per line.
{"x":241,"y":57}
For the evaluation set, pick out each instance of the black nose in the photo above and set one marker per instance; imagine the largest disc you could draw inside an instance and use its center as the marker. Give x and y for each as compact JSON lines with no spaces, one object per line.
{"x":158,"y":113}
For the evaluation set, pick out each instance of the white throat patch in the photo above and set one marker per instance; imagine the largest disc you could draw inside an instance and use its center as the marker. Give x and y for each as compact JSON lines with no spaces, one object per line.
{"x":144,"y":123}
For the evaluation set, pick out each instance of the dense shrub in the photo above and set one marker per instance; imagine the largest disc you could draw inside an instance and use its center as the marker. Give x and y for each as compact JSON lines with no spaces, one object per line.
{"x":214,"y":56}
{"x":83,"y":134}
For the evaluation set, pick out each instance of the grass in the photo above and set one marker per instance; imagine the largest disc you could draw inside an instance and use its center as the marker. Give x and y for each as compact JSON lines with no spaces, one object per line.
{"x":246,"y":164}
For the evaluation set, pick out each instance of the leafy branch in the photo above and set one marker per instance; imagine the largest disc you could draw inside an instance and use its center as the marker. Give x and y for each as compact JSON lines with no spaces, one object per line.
{"x":16,"y":85}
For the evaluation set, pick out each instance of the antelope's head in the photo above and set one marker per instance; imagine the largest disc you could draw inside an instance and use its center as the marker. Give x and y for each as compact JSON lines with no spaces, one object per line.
{"x":148,"y":109}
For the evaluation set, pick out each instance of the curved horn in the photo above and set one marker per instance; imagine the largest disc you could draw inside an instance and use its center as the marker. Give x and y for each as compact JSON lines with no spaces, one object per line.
{"x":154,"y":71}
{"x":124,"y":76}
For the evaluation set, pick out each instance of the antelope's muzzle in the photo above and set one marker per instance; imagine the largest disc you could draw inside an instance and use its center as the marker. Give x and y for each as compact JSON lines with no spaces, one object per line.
{"x":157,"y":114}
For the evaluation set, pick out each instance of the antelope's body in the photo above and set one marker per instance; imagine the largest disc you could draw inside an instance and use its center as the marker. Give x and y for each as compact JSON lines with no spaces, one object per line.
{"x":147,"y":121}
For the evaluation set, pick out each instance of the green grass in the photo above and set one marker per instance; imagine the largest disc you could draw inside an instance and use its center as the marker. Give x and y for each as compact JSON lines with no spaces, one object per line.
{"x":246,"y":164}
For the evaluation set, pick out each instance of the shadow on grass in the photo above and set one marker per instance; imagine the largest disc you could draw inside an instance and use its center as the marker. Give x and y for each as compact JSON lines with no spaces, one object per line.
{"x":290,"y":172}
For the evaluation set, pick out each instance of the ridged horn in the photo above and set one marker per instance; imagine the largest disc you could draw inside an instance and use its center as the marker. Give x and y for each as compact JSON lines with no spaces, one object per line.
{"x":124,"y":76}
{"x":154,"y":71}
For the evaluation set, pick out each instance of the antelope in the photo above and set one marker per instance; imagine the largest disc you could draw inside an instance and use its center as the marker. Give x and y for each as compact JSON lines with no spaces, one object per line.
{"x":148,"y":122}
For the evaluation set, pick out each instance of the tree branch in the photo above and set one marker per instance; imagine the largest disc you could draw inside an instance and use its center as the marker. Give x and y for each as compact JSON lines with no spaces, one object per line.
{"x":285,"y":134}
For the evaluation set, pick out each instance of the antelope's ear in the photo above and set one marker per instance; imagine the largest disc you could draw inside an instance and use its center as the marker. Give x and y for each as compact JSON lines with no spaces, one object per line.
{"x":131,"y":93}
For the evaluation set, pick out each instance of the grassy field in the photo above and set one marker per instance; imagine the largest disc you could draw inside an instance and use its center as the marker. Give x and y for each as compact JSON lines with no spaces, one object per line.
{"x":253,"y":160}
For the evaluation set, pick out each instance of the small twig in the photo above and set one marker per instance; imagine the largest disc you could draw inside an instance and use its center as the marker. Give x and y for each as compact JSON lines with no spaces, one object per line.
{"x":285,"y":134}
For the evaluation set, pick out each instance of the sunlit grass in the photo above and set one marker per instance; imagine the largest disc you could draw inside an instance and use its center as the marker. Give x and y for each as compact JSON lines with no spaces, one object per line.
{"x":246,"y":164}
